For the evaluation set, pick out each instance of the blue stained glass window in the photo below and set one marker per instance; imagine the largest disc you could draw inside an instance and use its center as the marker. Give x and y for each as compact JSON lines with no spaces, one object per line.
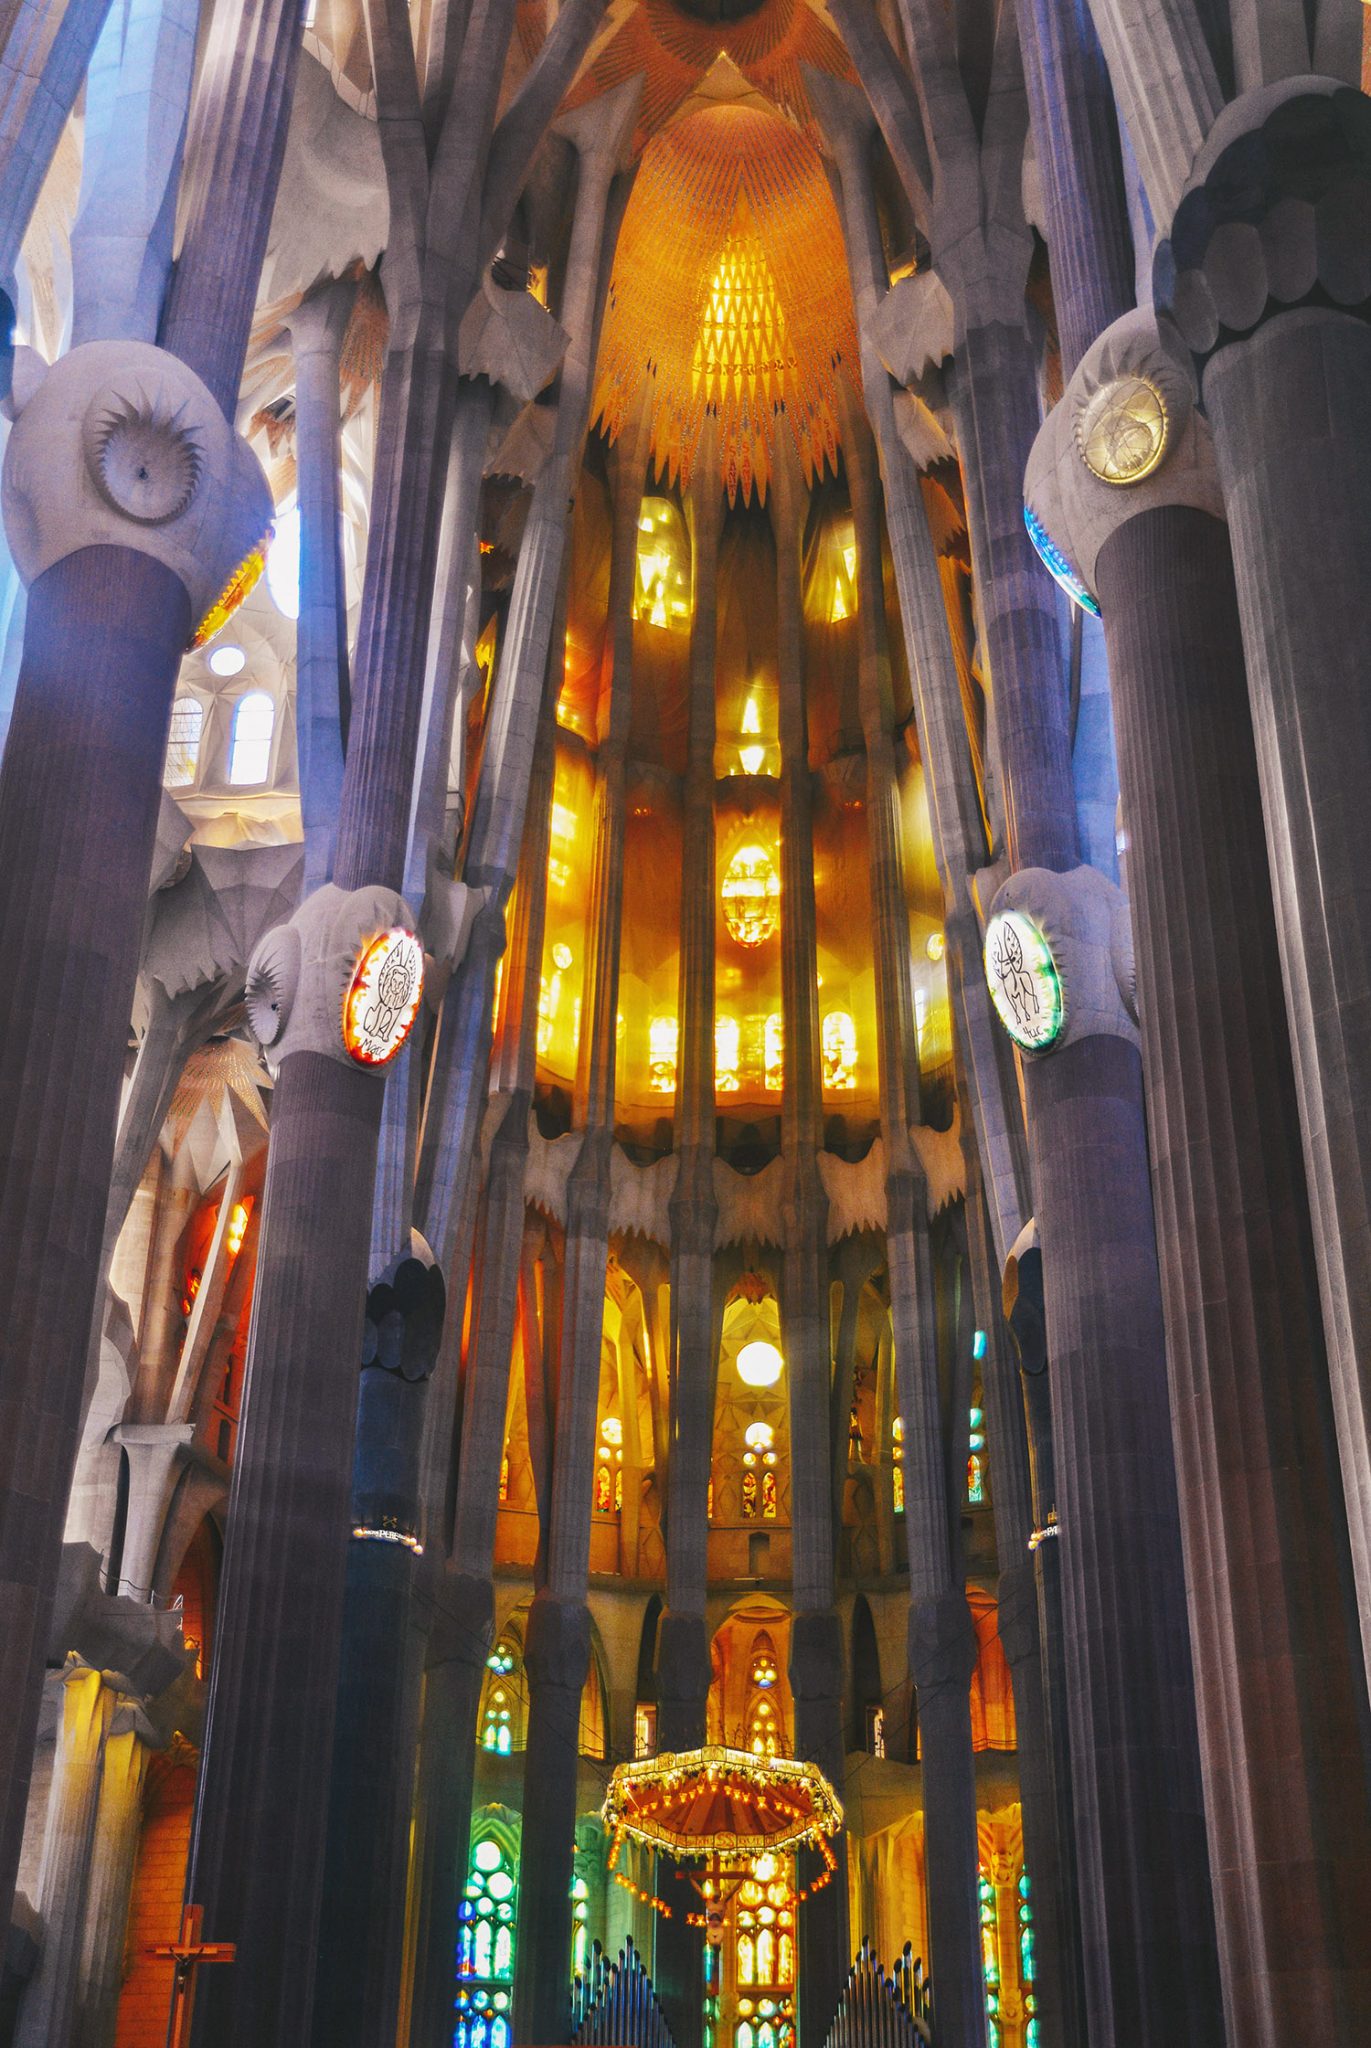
{"x":485,"y":1948}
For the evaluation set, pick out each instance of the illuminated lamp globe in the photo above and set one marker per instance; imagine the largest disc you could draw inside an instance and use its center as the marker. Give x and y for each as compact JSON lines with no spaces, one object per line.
{"x":759,"y":1364}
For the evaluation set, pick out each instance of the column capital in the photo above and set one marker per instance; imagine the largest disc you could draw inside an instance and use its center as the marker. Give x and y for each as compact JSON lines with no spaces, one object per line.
{"x":1125,"y":437}
{"x":119,"y":444}
{"x":1276,"y":215}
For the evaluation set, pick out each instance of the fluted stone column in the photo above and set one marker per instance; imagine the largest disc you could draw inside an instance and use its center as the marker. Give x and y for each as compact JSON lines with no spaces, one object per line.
{"x":1129,"y":1671}
{"x":50,"y":2003}
{"x":1057,"y":1985}
{"x":317,"y":326}
{"x":446,"y":1192}
{"x":942,"y":1641}
{"x":954,"y":806}
{"x":557,"y":1645}
{"x":1275,"y":1653}
{"x":41,"y":71}
{"x":361,"y":1932}
{"x":79,"y":799}
{"x":114,"y":1853}
{"x":462,"y":1590}
{"x":137,"y":95}
{"x":1266,"y":275}
{"x":683,"y":1669}
{"x":817,"y":1662}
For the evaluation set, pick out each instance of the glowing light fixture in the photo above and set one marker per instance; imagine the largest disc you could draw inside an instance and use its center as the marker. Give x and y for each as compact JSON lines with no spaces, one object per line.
{"x":760,"y":1364}
{"x":382,"y":999}
{"x":1122,"y":431}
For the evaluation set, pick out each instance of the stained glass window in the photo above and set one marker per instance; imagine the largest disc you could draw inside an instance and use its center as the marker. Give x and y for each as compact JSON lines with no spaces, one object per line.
{"x":838,"y":1042}
{"x":183,"y":742}
{"x":254,"y":720}
{"x":990,"y":1956}
{"x":485,"y":1948}
{"x":897,"y":1458}
{"x":1028,"y":1963}
{"x":751,"y":894}
{"x":975,"y":1463}
{"x":580,"y":1930}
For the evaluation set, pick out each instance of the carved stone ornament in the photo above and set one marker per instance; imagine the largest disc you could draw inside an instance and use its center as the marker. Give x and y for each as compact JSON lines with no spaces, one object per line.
{"x":119,"y":444}
{"x":1059,"y":959}
{"x":1125,"y":437}
{"x":1276,"y":214}
{"x":343,"y":950}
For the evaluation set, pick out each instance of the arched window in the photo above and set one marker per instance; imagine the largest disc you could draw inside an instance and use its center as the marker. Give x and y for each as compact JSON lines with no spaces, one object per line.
{"x":580,"y":1930}
{"x":183,"y":742}
{"x":254,"y":720}
{"x":502,"y":1725}
{"x":485,"y":1947}
{"x":764,"y":1728}
{"x":838,"y":1039}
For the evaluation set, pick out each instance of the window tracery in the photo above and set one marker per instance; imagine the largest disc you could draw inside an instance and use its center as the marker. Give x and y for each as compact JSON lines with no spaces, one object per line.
{"x":183,"y":742}
{"x":485,"y":1947}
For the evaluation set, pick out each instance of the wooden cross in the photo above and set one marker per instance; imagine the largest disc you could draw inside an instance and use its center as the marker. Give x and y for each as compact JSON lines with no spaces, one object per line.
{"x":187,"y":1952}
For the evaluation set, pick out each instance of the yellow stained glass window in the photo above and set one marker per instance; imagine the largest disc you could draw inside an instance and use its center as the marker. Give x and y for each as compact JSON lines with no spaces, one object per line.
{"x":751,"y":894}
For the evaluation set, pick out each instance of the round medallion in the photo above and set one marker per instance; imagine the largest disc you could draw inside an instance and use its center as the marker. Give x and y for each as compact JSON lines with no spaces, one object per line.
{"x":1024,"y":983}
{"x":1122,"y":431}
{"x":382,"y":1000}
{"x":146,"y":461}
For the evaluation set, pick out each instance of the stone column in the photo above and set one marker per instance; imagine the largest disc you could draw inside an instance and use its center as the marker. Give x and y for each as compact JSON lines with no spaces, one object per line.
{"x":1264,"y":275}
{"x":1131,"y":1686}
{"x":41,"y":71}
{"x":113,"y":595}
{"x":816,"y":1639}
{"x":1289,"y":1828}
{"x":137,"y":94}
{"x":683,"y":1669}
{"x":942,"y":1641}
{"x":317,"y":326}
{"x":1025,"y":1644}
{"x":496,"y":829}
{"x":50,"y":2003}
{"x":954,"y":804}
{"x":371,"y":1796}
{"x":459,"y":1580}
{"x":114,"y":1852}
{"x":557,"y":1648}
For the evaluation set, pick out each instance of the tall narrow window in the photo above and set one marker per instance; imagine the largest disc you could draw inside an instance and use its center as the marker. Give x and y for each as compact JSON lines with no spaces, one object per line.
{"x":897,"y":1461}
{"x":975,"y":1463}
{"x":183,"y":742}
{"x":485,"y":1948}
{"x":580,"y":1927}
{"x":250,"y":748}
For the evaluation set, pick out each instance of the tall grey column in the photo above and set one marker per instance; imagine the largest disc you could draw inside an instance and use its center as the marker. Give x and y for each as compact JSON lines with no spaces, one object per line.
{"x":942,"y":1640}
{"x":1128,"y":1659}
{"x":1024,"y":1641}
{"x":817,"y":1662}
{"x":50,"y":2002}
{"x":87,"y":766}
{"x":460,"y":1576}
{"x":1266,"y":278}
{"x":137,"y":95}
{"x":41,"y":70}
{"x":683,"y":1668}
{"x":114,"y":1853}
{"x":317,"y":326}
{"x":557,"y":1645}
{"x":1276,"y":1649}
{"x":958,"y":827}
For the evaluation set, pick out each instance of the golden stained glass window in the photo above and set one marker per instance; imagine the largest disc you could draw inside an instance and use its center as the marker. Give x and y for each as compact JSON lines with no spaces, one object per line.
{"x":751,"y":895}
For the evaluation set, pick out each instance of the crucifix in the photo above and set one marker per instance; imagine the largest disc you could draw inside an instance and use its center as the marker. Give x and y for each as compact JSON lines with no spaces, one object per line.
{"x":187,"y":1953}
